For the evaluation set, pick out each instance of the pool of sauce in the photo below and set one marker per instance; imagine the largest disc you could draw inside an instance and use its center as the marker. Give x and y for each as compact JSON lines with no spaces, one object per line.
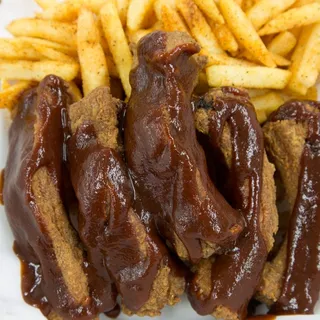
{"x":301,"y":285}
{"x":167,"y":165}
{"x":235,"y":275}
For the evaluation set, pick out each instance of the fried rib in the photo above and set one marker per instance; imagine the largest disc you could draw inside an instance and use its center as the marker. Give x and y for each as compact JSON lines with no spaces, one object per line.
{"x":222,"y":287}
{"x":44,"y":240}
{"x":292,"y":140}
{"x":116,"y":240}
{"x":168,"y":166}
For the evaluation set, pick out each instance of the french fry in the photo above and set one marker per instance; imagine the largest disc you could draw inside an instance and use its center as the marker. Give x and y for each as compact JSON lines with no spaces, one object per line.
{"x":210,"y":9}
{"x":300,"y":3}
{"x":199,"y":27}
{"x":280,"y":61}
{"x":94,"y":69}
{"x":67,"y":11}
{"x":75,"y":91}
{"x":137,"y":11}
{"x":292,"y":18}
{"x":248,"y":77}
{"x":169,"y":17}
{"x":202,"y":86}
{"x":261,"y":115}
{"x":5,"y":84}
{"x":257,"y":92}
{"x":218,"y":59}
{"x":305,"y":60}
{"x":9,"y":96}
{"x":52,"y":54}
{"x":118,"y":43}
{"x":264,"y":10}
{"x":60,"y":32}
{"x":225,"y":37}
{"x":14,"y":50}
{"x":29,"y":41}
{"x":244,"y":32}
{"x":45,"y":4}
{"x":113,"y":72}
{"x":268,"y":103}
{"x":247,"y":4}
{"x":283,"y":43}
{"x":135,"y":36}
{"x":122,"y":6}
{"x":37,"y":70}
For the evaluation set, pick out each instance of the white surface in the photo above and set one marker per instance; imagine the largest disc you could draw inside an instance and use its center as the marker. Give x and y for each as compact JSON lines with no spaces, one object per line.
{"x":12,"y":306}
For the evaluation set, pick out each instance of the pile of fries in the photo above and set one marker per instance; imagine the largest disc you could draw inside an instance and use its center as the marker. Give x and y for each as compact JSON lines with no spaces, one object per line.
{"x":270,"y":47}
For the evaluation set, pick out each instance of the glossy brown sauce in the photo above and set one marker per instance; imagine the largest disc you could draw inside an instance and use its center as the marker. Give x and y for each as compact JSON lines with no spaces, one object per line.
{"x":102,"y":185}
{"x":42,"y":279}
{"x":235,"y":275}
{"x":301,"y":285}
{"x":167,"y":165}
{"x":1,"y":186}
{"x":266,"y":317}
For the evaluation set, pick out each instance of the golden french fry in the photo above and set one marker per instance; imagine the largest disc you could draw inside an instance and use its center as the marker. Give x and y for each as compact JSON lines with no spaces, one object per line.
{"x":169,"y":17}
{"x":9,"y":96}
{"x":199,"y":27}
{"x":74,"y":91}
{"x":283,"y":43}
{"x":61,"y":32}
{"x":264,"y":10}
{"x":94,"y":69}
{"x":122,"y":6}
{"x":37,"y":70}
{"x":67,"y":11}
{"x":5,"y":84}
{"x":113,"y":72}
{"x":280,"y":61}
{"x":29,"y":41}
{"x":135,"y":36}
{"x":261,"y":116}
{"x":118,"y":43}
{"x":52,"y":54}
{"x":247,"y":4}
{"x":300,"y":3}
{"x":45,"y":4}
{"x":305,"y":60}
{"x":210,"y":9}
{"x":137,"y":11}
{"x":218,"y":59}
{"x":14,"y":49}
{"x":268,"y":102}
{"x":225,"y":37}
{"x":244,"y":32}
{"x":248,"y":77}
{"x":292,"y":18}
{"x":257,"y":92}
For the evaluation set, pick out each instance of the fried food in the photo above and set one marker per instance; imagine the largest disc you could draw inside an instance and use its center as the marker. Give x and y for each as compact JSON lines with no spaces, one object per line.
{"x":169,"y":169}
{"x":53,"y":277}
{"x":116,"y":240}
{"x":292,"y":279}
{"x":219,"y":287}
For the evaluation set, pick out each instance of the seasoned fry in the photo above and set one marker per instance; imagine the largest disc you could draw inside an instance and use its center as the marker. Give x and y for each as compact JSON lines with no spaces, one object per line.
{"x":113,"y":72}
{"x":199,"y":27}
{"x":67,"y":11}
{"x":9,"y":96}
{"x":295,"y":17}
{"x":60,"y":32}
{"x":268,"y":102}
{"x":36,"y":71}
{"x":118,"y":43}
{"x":94,"y":70}
{"x":5,"y":84}
{"x":283,"y":43}
{"x":75,"y":91}
{"x":169,"y":17}
{"x":305,"y":60}
{"x":218,"y":59}
{"x":29,"y":41}
{"x":300,"y":3}
{"x":210,"y":9}
{"x":248,"y":77}
{"x":52,"y":54}
{"x":257,"y":92}
{"x":225,"y":37}
{"x":12,"y":49}
{"x":137,"y":11}
{"x":122,"y":6}
{"x":45,"y":4}
{"x":280,"y":61}
{"x":245,"y":33}
{"x":264,"y":10}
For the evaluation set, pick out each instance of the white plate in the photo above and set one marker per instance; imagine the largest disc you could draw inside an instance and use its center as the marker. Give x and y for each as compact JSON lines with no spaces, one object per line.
{"x":12,"y":306}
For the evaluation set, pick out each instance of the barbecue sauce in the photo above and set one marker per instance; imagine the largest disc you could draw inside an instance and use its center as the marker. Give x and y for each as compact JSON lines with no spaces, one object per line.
{"x":301,"y":284}
{"x":236,"y":274}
